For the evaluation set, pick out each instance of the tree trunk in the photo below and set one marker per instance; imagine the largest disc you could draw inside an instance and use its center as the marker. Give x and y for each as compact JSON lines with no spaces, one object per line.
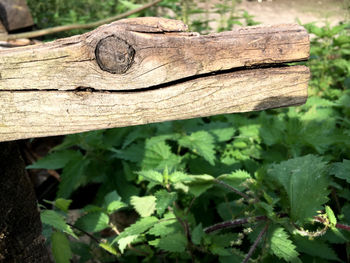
{"x":20,"y":225}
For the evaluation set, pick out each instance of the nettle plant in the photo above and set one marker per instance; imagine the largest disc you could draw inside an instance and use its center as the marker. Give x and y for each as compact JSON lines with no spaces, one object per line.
{"x":257,"y":187}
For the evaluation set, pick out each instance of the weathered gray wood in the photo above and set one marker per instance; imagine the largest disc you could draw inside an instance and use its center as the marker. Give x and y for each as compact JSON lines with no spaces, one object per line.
{"x":146,"y":70}
{"x":15,"y":14}
{"x":162,"y":54}
{"x":41,"y":113}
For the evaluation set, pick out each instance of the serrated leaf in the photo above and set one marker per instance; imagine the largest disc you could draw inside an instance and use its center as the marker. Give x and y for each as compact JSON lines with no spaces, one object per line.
{"x":56,"y":160}
{"x":125,"y":241}
{"x":93,"y":222}
{"x":61,"y":250}
{"x":62,"y":204}
{"x":199,"y":184}
{"x":108,"y":247}
{"x":112,"y":202}
{"x":179,"y":177}
{"x":134,"y":153}
{"x":305,"y":182}
{"x":331,"y":216}
{"x":132,"y":232}
{"x":197,"y":234}
{"x":222,"y":131}
{"x":281,"y":245}
{"x":164,"y":199}
{"x":200,"y":142}
{"x":158,"y":156}
{"x":144,"y":205}
{"x":315,"y":248}
{"x":54,"y":219}
{"x":71,"y":177}
{"x":165,"y":227}
{"x":341,"y":170}
{"x":137,"y":133}
{"x":152,"y":176}
{"x":173,"y":243}
{"x":235,"y":179}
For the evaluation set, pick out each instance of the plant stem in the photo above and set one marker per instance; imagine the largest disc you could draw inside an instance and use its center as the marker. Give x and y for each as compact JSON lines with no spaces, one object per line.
{"x":57,"y":29}
{"x":255,"y":244}
{"x":338,"y":225}
{"x":233,"y":223}
{"x":85,"y":233}
{"x":229,"y":187}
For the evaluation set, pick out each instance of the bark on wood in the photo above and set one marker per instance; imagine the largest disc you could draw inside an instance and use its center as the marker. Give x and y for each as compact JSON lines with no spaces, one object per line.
{"x":15,"y":14}
{"x":145,"y":70}
{"x":20,"y":226}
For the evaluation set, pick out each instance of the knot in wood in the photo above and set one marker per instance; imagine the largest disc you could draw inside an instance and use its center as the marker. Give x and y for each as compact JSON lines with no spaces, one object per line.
{"x":114,"y":55}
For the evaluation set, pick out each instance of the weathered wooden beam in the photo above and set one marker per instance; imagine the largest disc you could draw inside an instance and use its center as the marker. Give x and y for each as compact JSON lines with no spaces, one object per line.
{"x":146,"y":70}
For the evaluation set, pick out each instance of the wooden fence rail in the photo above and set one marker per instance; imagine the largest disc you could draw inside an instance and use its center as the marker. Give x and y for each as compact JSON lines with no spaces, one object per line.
{"x":144,"y":70}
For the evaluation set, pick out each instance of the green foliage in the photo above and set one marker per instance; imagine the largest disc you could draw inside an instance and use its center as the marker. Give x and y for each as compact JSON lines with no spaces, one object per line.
{"x":305,"y":182}
{"x":93,"y":222}
{"x":286,"y":167}
{"x":61,"y":250}
{"x":282,"y":246}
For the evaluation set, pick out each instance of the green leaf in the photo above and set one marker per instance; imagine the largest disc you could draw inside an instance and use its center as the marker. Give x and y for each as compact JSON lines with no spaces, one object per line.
{"x":331,"y":216}
{"x":123,"y":242}
{"x":222,"y":131}
{"x":71,"y":177}
{"x":199,"y":184}
{"x":134,"y":153}
{"x":315,"y":248}
{"x":173,"y":243}
{"x":341,"y":170}
{"x":197,"y":234}
{"x":305,"y":182}
{"x":112,"y":202}
{"x":132,"y":232}
{"x":62,"y":204}
{"x":235,"y":179}
{"x":158,"y":156}
{"x":54,"y":219}
{"x":179,"y":177}
{"x":93,"y":222}
{"x":108,"y":247}
{"x":56,"y":160}
{"x":144,"y":205}
{"x":152,"y":176}
{"x":61,"y":250}
{"x":202,"y":143}
{"x":165,"y":227}
{"x":164,"y":199}
{"x":281,"y":245}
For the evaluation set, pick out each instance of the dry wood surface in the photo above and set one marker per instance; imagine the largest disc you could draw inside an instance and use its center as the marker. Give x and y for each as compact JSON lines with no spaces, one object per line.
{"x":144,"y":70}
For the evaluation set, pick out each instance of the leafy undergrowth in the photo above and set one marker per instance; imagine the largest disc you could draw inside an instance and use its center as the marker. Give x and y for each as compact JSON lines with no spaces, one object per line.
{"x":268,"y":186}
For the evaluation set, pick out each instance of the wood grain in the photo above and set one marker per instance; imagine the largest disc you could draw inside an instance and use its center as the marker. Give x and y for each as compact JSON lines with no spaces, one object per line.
{"x":148,"y":70}
{"x":162,"y":54}
{"x":42,"y":113}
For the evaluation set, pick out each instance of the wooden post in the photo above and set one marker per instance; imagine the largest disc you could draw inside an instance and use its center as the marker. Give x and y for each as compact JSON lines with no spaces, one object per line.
{"x":15,"y":14}
{"x":144,"y":70}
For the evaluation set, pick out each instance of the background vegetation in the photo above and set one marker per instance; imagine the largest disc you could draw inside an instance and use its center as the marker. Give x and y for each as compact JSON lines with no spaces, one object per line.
{"x":279,"y":180}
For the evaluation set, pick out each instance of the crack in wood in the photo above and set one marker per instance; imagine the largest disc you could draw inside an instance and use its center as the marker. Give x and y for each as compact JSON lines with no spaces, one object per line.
{"x":169,"y":84}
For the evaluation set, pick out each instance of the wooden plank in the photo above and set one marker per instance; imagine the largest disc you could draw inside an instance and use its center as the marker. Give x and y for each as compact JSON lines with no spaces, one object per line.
{"x":27,"y":114}
{"x":160,"y":52}
{"x":15,"y":14}
{"x":139,"y":71}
